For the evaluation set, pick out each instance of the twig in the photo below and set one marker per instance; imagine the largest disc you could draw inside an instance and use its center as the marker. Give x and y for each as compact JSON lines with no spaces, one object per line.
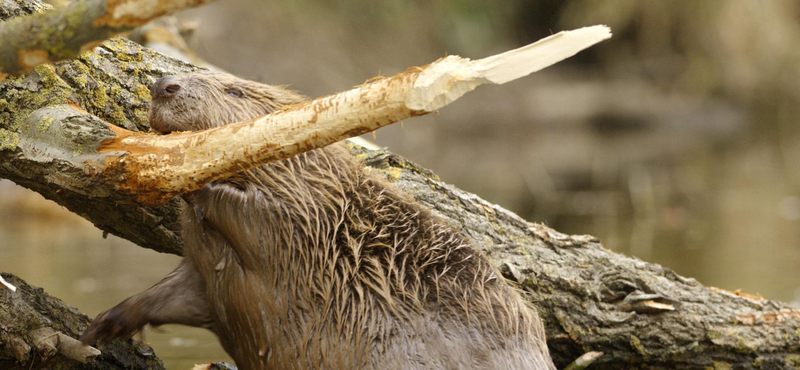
{"x":584,"y":361}
{"x":48,"y":341}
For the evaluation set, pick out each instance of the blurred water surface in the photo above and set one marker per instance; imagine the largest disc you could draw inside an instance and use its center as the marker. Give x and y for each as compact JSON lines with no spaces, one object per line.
{"x":677,"y":141}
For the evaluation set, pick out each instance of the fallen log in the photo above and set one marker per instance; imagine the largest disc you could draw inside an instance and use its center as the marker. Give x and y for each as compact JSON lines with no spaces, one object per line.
{"x":37,"y":331}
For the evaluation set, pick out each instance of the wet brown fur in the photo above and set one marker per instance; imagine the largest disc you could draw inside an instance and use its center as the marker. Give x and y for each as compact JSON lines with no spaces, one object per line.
{"x":314,"y":263}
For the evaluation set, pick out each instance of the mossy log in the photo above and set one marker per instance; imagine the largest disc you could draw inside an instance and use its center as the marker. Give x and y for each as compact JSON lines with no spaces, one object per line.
{"x":640,"y":315}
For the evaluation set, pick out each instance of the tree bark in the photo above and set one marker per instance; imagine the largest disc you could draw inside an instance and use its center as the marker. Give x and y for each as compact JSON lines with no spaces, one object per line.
{"x":37,"y":331}
{"x":640,"y":315}
{"x":50,"y":118}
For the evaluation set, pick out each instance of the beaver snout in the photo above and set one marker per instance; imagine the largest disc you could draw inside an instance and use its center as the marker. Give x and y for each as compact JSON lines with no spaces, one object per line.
{"x":165,"y":87}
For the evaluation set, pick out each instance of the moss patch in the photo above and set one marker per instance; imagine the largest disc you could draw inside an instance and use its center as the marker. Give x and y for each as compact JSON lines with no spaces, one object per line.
{"x":44,"y":124}
{"x":792,"y":361}
{"x":21,"y":97}
{"x":8,"y":140}
{"x":718,"y":365}
{"x":637,"y":345}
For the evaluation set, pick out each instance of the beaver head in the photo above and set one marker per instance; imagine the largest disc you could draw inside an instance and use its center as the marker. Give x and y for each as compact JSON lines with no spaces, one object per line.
{"x":206,"y":99}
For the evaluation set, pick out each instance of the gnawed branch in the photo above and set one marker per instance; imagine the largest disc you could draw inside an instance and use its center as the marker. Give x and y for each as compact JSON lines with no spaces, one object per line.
{"x":60,"y":34}
{"x":156,"y":168}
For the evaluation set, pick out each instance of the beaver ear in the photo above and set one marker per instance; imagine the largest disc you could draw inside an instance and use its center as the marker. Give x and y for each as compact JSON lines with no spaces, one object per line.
{"x":234,"y":92}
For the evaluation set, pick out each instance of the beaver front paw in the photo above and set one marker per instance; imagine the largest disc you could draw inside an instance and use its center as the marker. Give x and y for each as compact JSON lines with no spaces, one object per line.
{"x":122,"y":321}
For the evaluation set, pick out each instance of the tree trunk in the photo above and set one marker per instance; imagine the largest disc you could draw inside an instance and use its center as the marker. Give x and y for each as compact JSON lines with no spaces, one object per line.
{"x":640,"y":315}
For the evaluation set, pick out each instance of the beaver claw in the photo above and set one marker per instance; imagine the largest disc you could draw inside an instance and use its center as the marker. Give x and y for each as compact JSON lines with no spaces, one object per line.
{"x":122,"y":321}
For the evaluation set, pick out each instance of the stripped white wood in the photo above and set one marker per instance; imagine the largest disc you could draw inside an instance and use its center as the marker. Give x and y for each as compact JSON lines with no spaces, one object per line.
{"x":448,"y":79}
{"x":521,"y":62}
{"x":7,"y":284}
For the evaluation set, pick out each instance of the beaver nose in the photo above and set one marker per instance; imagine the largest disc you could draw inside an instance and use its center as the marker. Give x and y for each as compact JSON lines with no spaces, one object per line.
{"x":165,"y":87}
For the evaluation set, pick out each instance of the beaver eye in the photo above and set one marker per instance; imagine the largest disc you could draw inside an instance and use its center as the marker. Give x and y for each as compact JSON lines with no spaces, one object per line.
{"x":236,"y":93}
{"x":172,"y":88}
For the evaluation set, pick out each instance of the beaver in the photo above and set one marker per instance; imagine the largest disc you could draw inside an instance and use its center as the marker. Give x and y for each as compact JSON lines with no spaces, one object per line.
{"x":314,"y":263}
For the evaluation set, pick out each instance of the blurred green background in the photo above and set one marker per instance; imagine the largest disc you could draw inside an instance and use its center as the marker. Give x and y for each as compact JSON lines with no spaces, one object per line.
{"x":677,"y":141}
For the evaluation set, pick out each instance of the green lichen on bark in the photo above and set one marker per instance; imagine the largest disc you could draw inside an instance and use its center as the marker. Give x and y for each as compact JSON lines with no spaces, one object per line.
{"x":44,"y":124}
{"x":392,"y":174}
{"x":793,"y":361}
{"x":113,"y":82}
{"x":8,"y":140}
{"x":53,"y":82}
{"x":23,"y":95}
